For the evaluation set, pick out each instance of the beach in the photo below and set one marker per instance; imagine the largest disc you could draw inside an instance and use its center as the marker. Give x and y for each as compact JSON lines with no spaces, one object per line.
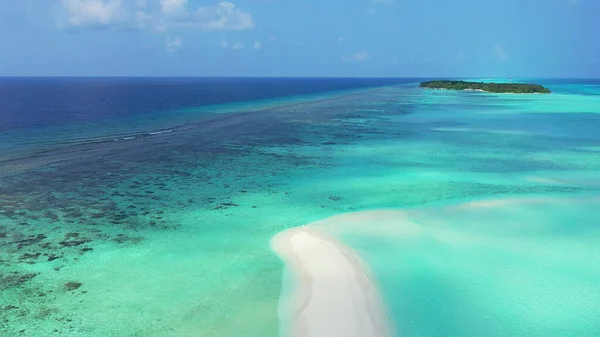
{"x":333,"y":294}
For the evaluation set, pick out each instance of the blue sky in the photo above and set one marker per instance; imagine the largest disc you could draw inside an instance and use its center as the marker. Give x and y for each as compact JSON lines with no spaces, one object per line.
{"x":393,"y":38}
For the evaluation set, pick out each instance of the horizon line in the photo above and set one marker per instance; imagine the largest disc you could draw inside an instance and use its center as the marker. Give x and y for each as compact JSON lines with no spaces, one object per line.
{"x":298,"y":77}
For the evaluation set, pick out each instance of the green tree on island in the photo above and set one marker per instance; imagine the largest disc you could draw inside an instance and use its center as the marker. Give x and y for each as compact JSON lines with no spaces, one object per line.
{"x":518,"y":88}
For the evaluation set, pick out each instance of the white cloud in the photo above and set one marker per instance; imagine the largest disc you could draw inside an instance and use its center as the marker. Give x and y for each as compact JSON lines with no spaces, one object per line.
{"x":383,"y":2}
{"x":142,"y":20}
{"x":460,"y":56}
{"x":93,"y":12}
{"x":174,"y":43}
{"x":223,"y":16}
{"x":257,"y":45}
{"x":171,"y":6}
{"x":235,"y":46}
{"x":341,"y":39}
{"x":358,"y":57}
{"x":172,"y":14}
{"x":500,"y":53}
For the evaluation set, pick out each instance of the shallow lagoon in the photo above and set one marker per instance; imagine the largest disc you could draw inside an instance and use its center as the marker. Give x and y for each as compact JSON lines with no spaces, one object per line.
{"x":169,"y":234}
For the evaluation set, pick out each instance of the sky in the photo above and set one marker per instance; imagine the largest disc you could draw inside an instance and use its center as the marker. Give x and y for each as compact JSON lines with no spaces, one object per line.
{"x":298,"y":38}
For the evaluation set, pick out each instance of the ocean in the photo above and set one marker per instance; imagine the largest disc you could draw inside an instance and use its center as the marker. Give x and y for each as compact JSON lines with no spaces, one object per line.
{"x":145,"y":206}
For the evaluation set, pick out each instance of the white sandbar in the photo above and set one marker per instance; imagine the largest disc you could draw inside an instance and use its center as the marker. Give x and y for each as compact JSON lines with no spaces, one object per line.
{"x":332,"y":294}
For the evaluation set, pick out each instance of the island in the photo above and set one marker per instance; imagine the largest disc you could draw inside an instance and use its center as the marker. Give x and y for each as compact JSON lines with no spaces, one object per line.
{"x":516,"y":88}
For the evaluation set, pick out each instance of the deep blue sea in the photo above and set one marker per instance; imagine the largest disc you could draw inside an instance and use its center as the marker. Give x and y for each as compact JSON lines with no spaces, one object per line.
{"x":145,"y":206}
{"x":34,"y":102}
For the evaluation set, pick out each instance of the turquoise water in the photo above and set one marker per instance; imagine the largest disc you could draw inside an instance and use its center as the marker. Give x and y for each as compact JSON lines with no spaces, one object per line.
{"x":169,"y":235}
{"x":525,"y":266}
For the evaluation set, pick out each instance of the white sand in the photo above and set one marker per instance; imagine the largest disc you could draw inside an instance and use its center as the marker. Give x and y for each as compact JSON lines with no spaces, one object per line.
{"x":332,"y":294}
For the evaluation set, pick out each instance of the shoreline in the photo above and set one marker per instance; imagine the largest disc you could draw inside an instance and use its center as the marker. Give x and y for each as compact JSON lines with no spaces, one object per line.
{"x":331,"y":293}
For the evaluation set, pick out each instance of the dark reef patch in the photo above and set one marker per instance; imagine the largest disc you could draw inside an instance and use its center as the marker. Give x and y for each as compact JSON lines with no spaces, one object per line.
{"x":122,"y":238}
{"x":29,"y":241}
{"x":75,"y":242}
{"x":15,"y":279}
{"x":70,"y":286}
{"x":225,"y":205}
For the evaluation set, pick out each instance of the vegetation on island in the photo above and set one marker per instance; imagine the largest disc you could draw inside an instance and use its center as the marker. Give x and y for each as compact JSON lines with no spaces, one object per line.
{"x":517,"y":88}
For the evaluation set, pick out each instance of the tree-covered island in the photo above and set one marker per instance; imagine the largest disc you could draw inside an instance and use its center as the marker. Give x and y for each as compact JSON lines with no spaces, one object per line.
{"x":517,"y":88}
